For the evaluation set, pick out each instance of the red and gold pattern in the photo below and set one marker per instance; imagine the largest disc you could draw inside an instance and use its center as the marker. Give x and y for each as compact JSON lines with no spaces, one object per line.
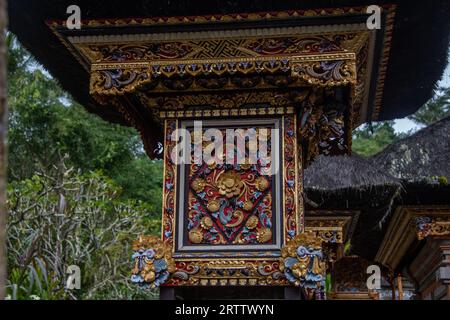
{"x":229,"y":203}
{"x":237,"y":202}
{"x":169,"y":184}
{"x":228,"y":272}
{"x":291,"y":179}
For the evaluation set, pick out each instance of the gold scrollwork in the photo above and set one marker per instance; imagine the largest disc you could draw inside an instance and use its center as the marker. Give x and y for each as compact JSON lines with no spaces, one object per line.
{"x":326,"y":73}
{"x":153,"y":261}
{"x":432,"y":226}
{"x":117,"y":81}
{"x":302,"y":261}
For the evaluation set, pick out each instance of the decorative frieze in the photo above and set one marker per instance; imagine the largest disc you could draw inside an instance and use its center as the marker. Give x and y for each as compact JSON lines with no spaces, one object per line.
{"x":409,"y":224}
{"x":429,"y":226}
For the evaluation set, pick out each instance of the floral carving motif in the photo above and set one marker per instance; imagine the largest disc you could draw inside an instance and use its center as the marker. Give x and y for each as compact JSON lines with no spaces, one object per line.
{"x":198,"y":185}
{"x":230,"y":184}
{"x":264,"y":235}
{"x":261,"y":183}
{"x":326,"y":72}
{"x":229,"y":203}
{"x":117,"y":81}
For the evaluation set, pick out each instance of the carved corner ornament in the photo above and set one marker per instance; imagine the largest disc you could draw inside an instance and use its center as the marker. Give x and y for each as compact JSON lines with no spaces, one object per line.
{"x":153,"y":263}
{"x":326,"y":72}
{"x":118,"y":80}
{"x":303,"y":262}
{"x":427,"y":226}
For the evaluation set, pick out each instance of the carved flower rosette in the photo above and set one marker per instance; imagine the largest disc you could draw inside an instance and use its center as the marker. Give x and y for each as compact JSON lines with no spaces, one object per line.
{"x":153,"y":263}
{"x":303,"y":261}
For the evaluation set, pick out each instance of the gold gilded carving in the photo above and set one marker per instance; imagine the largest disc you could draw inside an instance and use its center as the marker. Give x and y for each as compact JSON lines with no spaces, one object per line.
{"x":344,"y":44}
{"x":222,"y":50}
{"x":432,"y":226}
{"x":153,"y":261}
{"x":329,"y":230}
{"x":230,"y":184}
{"x":206,"y":223}
{"x":326,"y":73}
{"x":198,"y":185}
{"x":248,"y":205}
{"x":261,"y":183}
{"x":117,"y":81}
{"x":195,"y":236}
{"x":302,"y":261}
{"x":252,"y":222}
{"x":228,"y":272}
{"x":263,"y":235}
{"x":213,"y":205}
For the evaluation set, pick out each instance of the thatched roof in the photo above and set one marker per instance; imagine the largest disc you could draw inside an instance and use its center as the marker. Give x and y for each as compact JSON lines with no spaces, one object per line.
{"x":352,"y":183}
{"x":420,"y":158}
{"x":411,"y":171}
{"x":333,"y":173}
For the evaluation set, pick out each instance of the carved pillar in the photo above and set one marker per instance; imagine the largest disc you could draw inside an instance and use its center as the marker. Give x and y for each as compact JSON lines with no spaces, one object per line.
{"x":418,"y":241}
{"x":431,"y":266}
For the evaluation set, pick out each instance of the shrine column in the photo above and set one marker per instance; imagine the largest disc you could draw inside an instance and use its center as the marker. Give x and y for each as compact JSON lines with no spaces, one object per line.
{"x":418,"y":242}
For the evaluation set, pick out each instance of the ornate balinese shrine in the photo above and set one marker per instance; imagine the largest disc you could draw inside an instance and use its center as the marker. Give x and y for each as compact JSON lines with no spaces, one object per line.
{"x":295,"y":78}
{"x":227,"y":223}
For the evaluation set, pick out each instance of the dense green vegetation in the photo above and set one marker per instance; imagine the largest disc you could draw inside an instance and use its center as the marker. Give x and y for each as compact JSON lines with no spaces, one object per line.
{"x":73,"y":219}
{"x":435,"y":109}
{"x":81,"y":189}
{"x":369,"y":140}
{"x":46,"y":125}
{"x":110,"y":189}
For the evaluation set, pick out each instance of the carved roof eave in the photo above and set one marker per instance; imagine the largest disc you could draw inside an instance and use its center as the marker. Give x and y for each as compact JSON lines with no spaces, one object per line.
{"x":121,"y":64}
{"x":321,"y":70}
{"x":326,"y":223}
{"x":407,"y":226}
{"x":350,"y":64}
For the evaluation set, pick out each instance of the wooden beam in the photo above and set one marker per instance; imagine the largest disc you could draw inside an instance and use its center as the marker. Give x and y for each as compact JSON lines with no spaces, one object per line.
{"x":400,"y":287}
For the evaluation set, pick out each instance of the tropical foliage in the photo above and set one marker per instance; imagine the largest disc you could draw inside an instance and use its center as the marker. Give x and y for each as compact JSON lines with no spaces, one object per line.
{"x":369,"y":140}
{"x":80,"y":190}
{"x":73,"y":219}
{"x":435,"y":109}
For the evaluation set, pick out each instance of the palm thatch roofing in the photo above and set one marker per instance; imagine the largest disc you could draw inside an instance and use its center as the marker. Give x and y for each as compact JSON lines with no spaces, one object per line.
{"x":420,"y":158}
{"x":352,"y":183}
{"x":411,"y":171}
{"x":338,"y":173}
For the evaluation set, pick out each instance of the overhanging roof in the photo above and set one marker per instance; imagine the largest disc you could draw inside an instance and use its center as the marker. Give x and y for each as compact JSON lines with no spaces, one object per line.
{"x":406,"y":74}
